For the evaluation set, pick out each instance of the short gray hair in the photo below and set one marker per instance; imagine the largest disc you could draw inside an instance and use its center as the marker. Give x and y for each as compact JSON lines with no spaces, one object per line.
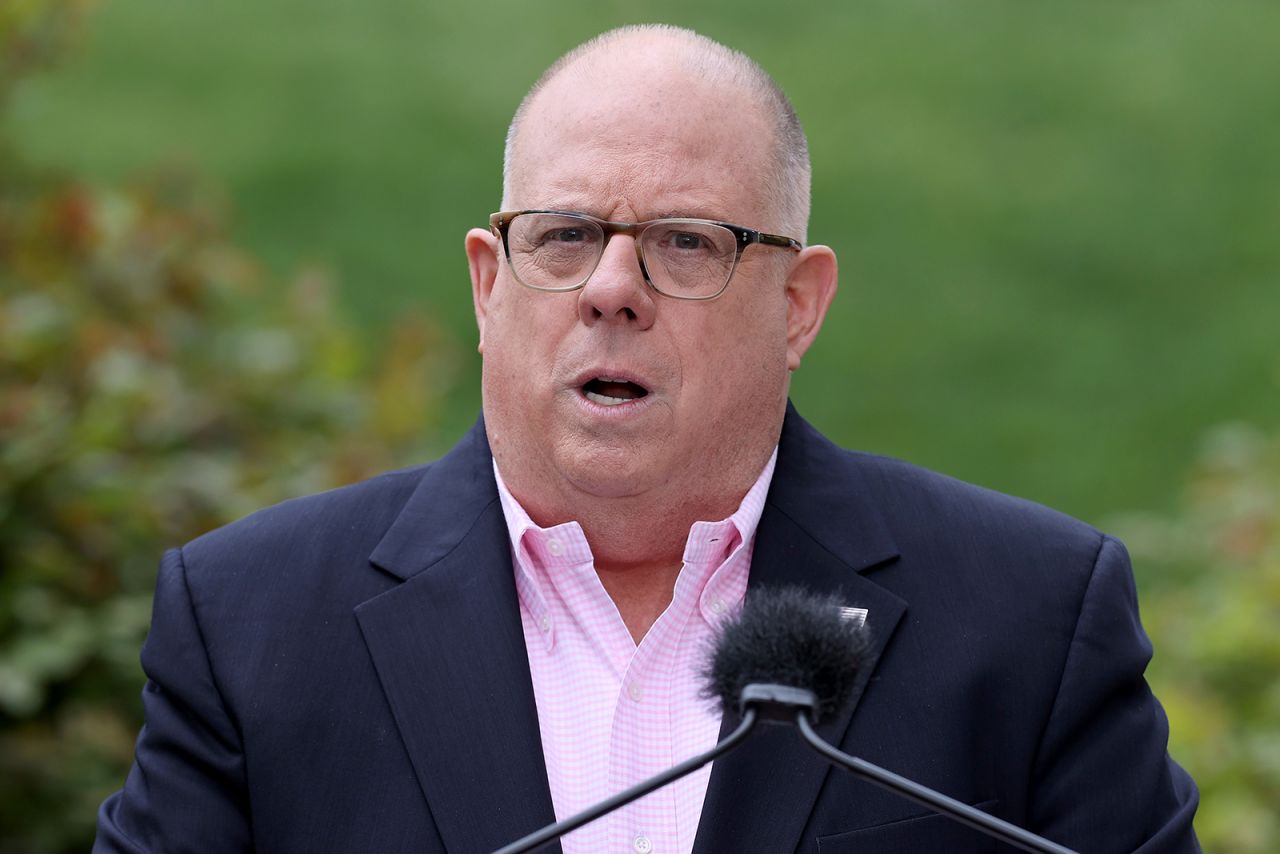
{"x":786,"y":183}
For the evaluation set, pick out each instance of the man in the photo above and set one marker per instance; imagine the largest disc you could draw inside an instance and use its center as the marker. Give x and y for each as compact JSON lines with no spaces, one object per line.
{"x":450,"y":657}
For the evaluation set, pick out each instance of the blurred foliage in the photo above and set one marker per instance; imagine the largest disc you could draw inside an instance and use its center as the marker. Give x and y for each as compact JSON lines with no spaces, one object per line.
{"x":151,"y":388}
{"x":33,"y":33}
{"x":1215,"y":617}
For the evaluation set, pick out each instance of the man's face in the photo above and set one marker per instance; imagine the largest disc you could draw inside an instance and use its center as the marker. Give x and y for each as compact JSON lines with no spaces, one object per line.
{"x":705,"y":382}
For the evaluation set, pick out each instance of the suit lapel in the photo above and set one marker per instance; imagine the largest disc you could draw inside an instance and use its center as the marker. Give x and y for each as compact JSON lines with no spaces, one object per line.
{"x":449,"y":650}
{"x":819,"y":530}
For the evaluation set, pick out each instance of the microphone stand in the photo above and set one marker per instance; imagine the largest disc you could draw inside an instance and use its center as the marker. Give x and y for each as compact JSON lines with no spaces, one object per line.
{"x":950,"y":807}
{"x":784,"y":704}
{"x":560,"y":828}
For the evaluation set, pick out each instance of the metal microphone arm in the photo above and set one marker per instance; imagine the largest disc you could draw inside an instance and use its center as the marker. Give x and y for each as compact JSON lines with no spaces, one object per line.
{"x":950,"y":807}
{"x":560,"y":828}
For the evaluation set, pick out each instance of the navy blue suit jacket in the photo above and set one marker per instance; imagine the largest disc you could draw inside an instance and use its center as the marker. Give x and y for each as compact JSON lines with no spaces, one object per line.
{"x":347,"y":672}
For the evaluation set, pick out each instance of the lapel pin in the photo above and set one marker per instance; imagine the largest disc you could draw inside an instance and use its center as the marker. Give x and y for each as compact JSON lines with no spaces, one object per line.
{"x":857,"y":616}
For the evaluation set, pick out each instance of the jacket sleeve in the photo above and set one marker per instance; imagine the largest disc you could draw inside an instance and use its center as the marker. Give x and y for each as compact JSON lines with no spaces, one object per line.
{"x":1104,"y":781}
{"x":186,"y":789}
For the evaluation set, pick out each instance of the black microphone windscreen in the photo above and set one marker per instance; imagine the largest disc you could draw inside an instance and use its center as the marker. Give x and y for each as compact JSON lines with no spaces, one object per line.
{"x":788,"y":636}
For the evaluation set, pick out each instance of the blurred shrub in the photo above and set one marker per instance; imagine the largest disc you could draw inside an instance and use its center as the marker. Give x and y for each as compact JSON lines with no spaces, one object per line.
{"x":149,"y":391}
{"x":1215,"y":618}
{"x":34,"y":33}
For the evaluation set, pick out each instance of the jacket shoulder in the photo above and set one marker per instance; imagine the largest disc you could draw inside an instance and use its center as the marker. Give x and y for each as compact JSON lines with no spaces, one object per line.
{"x":348,"y":518}
{"x":947,"y":503}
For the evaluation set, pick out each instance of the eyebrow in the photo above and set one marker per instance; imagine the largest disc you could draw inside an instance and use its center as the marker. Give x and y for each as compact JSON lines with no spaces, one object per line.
{"x":687,"y":215}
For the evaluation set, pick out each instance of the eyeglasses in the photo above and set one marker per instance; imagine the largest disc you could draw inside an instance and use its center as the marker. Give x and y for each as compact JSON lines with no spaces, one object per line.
{"x":682,"y":258}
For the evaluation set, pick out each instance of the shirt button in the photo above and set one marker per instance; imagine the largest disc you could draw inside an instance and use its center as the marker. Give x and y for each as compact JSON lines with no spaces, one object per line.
{"x":634,"y":692}
{"x":545,"y":623}
{"x":717,"y":605}
{"x":642,"y":845}
{"x":555,"y":548}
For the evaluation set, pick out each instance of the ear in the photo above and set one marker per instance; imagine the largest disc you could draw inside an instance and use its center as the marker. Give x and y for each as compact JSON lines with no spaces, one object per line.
{"x":811,"y":286}
{"x":483,"y":262}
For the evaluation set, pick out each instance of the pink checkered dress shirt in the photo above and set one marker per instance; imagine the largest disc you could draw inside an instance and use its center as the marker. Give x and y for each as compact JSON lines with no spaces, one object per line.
{"x":611,"y":712}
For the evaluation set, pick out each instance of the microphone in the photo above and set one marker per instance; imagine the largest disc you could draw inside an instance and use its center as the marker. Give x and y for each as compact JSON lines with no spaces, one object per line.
{"x":790,"y":644}
{"x":792,"y":657}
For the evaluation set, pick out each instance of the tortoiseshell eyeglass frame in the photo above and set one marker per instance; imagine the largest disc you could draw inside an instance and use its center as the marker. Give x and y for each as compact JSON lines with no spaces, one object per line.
{"x":501,"y":221}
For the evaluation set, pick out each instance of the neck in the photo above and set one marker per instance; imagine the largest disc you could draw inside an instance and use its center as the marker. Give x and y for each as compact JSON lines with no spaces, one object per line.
{"x":641,"y":593}
{"x":637,"y":540}
{"x":637,"y":544}
{"x":638,"y":551}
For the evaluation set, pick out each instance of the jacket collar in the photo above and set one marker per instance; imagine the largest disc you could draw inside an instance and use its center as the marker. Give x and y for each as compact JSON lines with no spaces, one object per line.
{"x":454,"y":494}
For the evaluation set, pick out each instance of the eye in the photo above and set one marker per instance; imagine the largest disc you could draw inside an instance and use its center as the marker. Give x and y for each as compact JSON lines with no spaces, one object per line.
{"x":566,"y":235}
{"x":686,"y":240}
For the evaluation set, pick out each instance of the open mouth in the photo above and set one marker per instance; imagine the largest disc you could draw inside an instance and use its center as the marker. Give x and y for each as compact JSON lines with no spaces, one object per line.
{"x":611,"y":392}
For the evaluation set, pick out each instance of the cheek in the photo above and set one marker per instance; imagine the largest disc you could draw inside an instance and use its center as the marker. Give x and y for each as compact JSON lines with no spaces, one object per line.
{"x":743,"y":358}
{"x":515,"y":338}
{"x":526,"y":316}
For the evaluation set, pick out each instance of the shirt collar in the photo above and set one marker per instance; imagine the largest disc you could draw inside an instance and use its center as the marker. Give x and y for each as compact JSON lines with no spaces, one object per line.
{"x":563,"y":549}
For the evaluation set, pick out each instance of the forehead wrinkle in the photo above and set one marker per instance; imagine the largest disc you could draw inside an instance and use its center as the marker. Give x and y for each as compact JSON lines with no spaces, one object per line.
{"x":626,"y":197}
{"x":619,"y":165}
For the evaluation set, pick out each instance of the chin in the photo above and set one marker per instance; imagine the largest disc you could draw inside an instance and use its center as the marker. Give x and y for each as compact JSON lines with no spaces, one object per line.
{"x":610,"y":473}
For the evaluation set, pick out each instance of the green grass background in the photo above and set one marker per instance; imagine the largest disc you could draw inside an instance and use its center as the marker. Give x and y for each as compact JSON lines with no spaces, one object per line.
{"x":1057,"y":222}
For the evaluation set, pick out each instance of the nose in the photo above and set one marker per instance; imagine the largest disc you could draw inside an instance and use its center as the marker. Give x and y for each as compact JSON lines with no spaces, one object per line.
{"x":616,"y":291}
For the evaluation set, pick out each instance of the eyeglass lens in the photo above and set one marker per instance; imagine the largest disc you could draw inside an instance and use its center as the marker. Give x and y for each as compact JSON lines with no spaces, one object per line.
{"x":560,"y":252}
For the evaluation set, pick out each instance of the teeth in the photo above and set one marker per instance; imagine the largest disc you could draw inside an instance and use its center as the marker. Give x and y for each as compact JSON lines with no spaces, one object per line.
{"x":605,"y":400}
